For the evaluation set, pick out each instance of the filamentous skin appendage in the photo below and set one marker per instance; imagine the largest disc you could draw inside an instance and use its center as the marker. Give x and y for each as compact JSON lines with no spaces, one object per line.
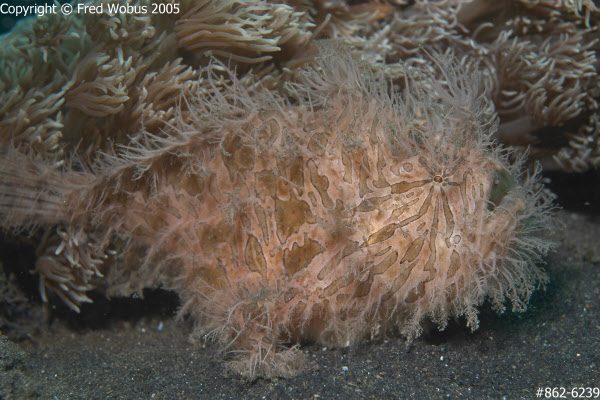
{"x":334,"y":215}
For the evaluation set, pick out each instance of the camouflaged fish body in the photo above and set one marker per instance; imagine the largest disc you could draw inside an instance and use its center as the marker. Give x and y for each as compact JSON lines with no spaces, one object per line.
{"x":332,"y":217}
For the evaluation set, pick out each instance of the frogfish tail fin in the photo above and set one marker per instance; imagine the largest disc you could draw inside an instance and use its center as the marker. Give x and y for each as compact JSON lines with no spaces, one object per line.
{"x":32,"y":192}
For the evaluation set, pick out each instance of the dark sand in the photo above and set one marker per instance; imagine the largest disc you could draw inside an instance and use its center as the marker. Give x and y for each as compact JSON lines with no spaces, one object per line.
{"x":133,"y":349}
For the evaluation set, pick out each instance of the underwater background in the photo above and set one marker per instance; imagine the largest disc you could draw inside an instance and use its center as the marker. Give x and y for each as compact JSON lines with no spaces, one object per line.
{"x":134,"y":347}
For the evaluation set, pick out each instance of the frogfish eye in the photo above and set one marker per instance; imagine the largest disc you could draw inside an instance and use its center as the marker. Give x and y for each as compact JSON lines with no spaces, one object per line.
{"x":502,"y":184}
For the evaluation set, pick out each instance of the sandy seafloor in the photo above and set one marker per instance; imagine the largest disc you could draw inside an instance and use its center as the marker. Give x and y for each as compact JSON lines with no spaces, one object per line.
{"x":134,"y":349}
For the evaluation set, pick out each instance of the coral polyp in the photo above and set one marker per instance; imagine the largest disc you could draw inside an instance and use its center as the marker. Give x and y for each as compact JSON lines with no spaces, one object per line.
{"x":336,"y":213}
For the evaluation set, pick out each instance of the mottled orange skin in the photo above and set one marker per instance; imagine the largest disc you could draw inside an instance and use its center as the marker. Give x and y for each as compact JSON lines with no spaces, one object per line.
{"x":333,"y":220}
